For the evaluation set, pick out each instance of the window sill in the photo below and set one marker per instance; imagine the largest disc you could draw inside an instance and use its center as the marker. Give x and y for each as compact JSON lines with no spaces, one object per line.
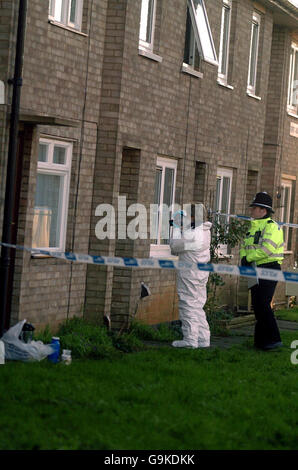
{"x":39,"y":256}
{"x":288,"y":252}
{"x":44,"y":256}
{"x":68,"y":28}
{"x":251,"y":95}
{"x":225,"y":85}
{"x":223,"y":256}
{"x":191,"y":71}
{"x":291,"y":113}
{"x":161,"y":251}
{"x":150,"y":55}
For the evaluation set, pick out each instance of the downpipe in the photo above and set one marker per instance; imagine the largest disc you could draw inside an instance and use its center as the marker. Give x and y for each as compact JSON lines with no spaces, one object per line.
{"x":9,"y":222}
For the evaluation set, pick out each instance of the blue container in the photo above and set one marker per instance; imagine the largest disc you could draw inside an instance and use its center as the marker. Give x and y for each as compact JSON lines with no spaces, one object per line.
{"x":54,"y":357}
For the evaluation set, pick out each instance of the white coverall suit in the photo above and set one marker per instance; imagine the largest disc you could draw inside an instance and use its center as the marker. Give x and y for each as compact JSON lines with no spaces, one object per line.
{"x":194,"y":247}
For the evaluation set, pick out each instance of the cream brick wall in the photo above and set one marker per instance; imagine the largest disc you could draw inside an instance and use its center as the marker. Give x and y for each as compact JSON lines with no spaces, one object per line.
{"x":131,"y":109}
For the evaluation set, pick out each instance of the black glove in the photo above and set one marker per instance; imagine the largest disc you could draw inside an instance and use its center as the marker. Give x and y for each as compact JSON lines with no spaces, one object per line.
{"x":244,"y":262}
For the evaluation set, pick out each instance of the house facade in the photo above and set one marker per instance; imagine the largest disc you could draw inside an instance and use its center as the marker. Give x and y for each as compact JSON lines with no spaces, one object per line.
{"x":151,"y":102}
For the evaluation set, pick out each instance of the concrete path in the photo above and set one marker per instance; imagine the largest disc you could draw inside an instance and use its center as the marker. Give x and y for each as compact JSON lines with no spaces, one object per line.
{"x":237,"y":336}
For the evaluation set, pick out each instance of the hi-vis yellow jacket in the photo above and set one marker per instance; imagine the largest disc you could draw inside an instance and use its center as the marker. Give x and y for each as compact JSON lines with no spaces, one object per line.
{"x":263,"y":243}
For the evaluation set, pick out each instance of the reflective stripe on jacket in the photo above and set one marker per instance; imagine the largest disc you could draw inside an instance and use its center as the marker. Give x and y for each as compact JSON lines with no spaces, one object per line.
{"x":263,"y":243}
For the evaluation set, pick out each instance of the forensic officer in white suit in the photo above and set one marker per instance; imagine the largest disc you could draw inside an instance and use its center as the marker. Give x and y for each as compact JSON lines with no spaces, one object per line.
{"x":192,"y":244}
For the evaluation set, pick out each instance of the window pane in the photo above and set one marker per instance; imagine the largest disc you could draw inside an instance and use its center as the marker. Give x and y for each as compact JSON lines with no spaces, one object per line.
{"x":72,"y":14}
{"x":253,"y":54}
{"x":155,"y":214}
{"x":167,"y":200}
{"x":203,"y":30}
{"x":52,"y":7}
{"x":291,"y":77}
{"x":286,"y":212}
{"x":168,"y":186}
{"x":217,"y":196}
{"x":286,"y":204}
{"x":58,"y":11}
{"x":47,"y":217}
{"x":294,"y":97}
{"x":225,"y":195}
{"x":223,"y":53}
{"x":59,"y":156}
{"x":146,"y":20}
{"x":225,"y":199}
{"x":222,"y":197}
{"x":43,"y":153}
{"x":187,"y":47}
{"x":191,"y":53}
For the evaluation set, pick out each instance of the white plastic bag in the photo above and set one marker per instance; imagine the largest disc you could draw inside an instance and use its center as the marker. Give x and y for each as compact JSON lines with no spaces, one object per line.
{"x":17,"y":350}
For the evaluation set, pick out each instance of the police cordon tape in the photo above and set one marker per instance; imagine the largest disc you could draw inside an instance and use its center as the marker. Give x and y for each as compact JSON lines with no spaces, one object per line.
{"x":157,"y":263}
{"x":244,"y":217}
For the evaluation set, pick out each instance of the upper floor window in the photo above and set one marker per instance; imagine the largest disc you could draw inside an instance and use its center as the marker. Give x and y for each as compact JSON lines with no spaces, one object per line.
{"x":224,"y":41}
{"x":51,"y":197}
{"x":147,"y":24}
{"x":191,"y":52}
{"x":293,"y":81}
{"x":67,"y":12}
{"x":198,"y":39}
{"x":253,"y":55}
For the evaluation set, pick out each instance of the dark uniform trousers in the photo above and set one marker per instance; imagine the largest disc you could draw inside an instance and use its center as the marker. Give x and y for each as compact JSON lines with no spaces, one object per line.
{"x":266,"y":328}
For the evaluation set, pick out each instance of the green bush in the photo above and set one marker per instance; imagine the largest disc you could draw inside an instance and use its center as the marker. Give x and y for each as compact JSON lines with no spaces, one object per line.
{"x":85,"y":340}
{"x":89,"y":341}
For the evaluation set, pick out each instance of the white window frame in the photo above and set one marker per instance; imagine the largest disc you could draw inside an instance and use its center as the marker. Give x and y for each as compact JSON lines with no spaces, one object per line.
{"x":144,"y":45}
{"x":286,"y":184}
{"x":292,"y":103}
{"x":256,"y":22}
{"x":65,"y":13}
{"x":159,"y":250}
{"x":192,"y":49}
{"x":63,"y":170}
{"x":189,"y":63}
{"x":202,"y":31}
{"x":224,"y":172}
{"x":224,"y":51}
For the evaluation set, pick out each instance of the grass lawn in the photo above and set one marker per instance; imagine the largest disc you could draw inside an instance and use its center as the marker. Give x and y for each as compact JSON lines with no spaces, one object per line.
{"x":163,"y":398}
{"x":289,"y":314}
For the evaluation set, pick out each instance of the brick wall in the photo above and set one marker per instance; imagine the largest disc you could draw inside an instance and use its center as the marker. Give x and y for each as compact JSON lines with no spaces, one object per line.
{"x":131,"y":109}
{"x":280,"y":148}
{"x":62,"y":79}
{"x":165,"y":112}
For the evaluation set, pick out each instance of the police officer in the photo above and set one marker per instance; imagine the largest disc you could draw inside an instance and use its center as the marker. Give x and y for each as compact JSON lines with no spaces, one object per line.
{"x":263,"y":247}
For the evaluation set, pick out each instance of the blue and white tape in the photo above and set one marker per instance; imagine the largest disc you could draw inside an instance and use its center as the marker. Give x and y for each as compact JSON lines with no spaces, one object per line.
{"x":156,"y":263}
{"x":244,"y":217}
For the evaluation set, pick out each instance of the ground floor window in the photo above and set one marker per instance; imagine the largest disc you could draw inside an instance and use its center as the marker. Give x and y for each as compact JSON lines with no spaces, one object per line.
{"x":224,"y":178}
{"x":286,"y":207}
{"x":165,"y":180}
{"x":51,"y":196}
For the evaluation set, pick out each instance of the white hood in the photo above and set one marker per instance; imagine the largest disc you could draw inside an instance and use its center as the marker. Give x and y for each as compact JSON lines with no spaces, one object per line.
{"x":193,"y":245}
